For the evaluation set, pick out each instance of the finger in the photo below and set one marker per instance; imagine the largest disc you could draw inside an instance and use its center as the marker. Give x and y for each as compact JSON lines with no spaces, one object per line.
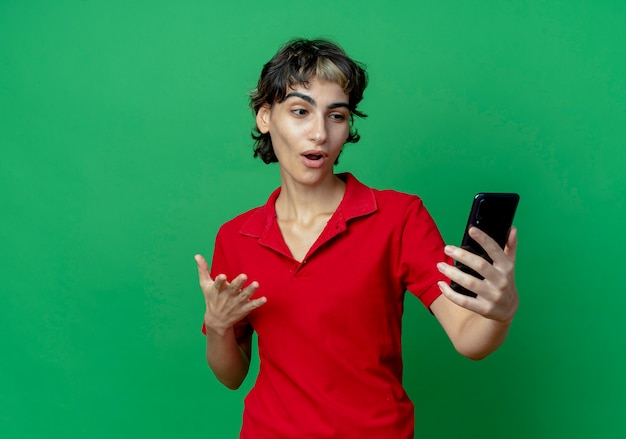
{"x":493,"y":249}
{"x":467,"y":302}
{"x":236,"y":285}
{"x":494,"y":275}
{"x":254,"y":304}
{"x":479,"y":305}
{"x":203,"y":270}
{"x":465,"y":280}
{"x":248,"y":291}
{"x":221,"y":282}
{"x":511,"y":245}
{"x":485,"y":241}
{"x":476,"y":262}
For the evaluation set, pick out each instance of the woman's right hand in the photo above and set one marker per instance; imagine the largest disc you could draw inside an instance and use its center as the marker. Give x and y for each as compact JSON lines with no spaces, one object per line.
{"x":226,"y":302}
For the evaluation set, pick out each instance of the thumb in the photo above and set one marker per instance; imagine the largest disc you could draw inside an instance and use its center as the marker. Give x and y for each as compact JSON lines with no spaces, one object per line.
{"x":203,"y":269}
{"x":511,"y":244}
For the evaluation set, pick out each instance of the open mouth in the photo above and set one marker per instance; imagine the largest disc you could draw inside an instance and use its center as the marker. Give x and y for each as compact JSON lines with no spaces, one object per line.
{"x":314,"y":156}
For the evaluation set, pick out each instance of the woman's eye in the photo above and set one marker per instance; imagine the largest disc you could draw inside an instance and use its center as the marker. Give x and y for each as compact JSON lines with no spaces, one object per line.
{"x":338,"y":116}
{"x":299,"y":111}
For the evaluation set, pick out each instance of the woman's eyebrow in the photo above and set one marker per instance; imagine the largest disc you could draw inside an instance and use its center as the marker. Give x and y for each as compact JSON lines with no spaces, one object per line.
{"x":307,"y":98}
{"x":310,"y":100}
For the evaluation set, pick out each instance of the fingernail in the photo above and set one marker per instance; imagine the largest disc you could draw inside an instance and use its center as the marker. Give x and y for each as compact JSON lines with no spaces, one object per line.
{"x":448,"y":249}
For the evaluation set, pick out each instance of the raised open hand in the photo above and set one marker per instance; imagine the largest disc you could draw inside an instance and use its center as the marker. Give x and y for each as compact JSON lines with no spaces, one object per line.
{"x":226,"y":302}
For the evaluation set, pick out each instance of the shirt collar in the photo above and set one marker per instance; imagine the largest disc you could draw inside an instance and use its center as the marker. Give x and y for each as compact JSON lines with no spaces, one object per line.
{"x":358,"y":200}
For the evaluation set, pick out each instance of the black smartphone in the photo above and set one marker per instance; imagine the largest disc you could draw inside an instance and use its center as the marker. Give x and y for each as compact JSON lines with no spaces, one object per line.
{"x":492,"y":213}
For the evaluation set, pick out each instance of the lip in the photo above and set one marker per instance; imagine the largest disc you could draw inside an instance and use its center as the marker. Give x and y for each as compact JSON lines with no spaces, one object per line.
{"x":314,"y":163}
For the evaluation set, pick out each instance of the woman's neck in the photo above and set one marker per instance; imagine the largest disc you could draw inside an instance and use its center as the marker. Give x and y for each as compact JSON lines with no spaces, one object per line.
{"x":303,"y":203}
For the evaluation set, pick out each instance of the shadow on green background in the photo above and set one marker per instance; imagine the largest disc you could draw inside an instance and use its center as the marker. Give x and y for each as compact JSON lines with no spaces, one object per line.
{"x":124,"y":132}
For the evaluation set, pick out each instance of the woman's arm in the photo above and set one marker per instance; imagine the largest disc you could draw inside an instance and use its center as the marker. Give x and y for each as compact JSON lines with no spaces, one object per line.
{"x":226,"y":304}
{"x":472,"y":335}
{"x":228,"y":359}
{"x":478,"y":326}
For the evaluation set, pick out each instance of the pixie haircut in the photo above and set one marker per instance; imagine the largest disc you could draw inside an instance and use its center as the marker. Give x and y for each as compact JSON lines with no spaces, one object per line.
{"x":296,"y":63}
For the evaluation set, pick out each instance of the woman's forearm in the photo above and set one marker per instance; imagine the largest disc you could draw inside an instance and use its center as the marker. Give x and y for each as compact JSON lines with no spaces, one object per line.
{"x":228,"y":361}
{"x":479,"y":336}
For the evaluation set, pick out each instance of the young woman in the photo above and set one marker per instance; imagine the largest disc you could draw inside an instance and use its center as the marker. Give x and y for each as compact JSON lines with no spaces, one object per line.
{"x":320,"y":271}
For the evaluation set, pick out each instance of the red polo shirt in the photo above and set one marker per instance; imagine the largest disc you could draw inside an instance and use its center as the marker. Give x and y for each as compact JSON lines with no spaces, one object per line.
{"x":329,"y":334}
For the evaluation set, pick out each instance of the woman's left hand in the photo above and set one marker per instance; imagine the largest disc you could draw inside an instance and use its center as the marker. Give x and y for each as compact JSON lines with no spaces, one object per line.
{"x":496,"y":294}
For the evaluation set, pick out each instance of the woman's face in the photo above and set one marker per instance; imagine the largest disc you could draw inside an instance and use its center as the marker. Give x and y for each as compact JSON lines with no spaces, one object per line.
{"x":308,"y":130}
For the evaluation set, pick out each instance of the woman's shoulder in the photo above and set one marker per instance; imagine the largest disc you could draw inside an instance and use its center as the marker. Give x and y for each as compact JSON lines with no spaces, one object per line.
{"x":255,"y":216}
{"x":253,"y":221}
{"x":384,"y":196}
{"x":397,"y":201}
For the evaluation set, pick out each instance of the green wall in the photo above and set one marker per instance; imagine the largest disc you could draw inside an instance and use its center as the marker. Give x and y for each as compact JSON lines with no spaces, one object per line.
{"x":124,"y":139}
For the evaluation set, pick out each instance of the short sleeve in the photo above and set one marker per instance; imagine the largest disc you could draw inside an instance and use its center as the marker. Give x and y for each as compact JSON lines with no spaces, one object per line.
{"x":421,"y":248}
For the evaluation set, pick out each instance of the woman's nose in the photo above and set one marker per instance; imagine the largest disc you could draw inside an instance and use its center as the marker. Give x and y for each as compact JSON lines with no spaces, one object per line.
{"x":319,"y":131}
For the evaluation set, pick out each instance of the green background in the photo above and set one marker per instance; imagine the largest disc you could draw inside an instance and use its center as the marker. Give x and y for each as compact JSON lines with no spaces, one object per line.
{"x":124,"y":139}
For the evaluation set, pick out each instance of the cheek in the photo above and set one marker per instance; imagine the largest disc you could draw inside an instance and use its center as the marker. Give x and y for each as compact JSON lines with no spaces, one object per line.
{"x":281,"y":142}
{"x":284,"y":131}
{"x":341,"y":134}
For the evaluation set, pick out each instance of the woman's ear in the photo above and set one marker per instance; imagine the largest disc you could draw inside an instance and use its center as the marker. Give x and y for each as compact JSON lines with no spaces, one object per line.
{"x":263,"y":119}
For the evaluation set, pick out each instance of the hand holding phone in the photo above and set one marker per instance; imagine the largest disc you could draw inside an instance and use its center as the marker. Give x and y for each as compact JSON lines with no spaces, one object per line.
{"x":493,"y":213}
